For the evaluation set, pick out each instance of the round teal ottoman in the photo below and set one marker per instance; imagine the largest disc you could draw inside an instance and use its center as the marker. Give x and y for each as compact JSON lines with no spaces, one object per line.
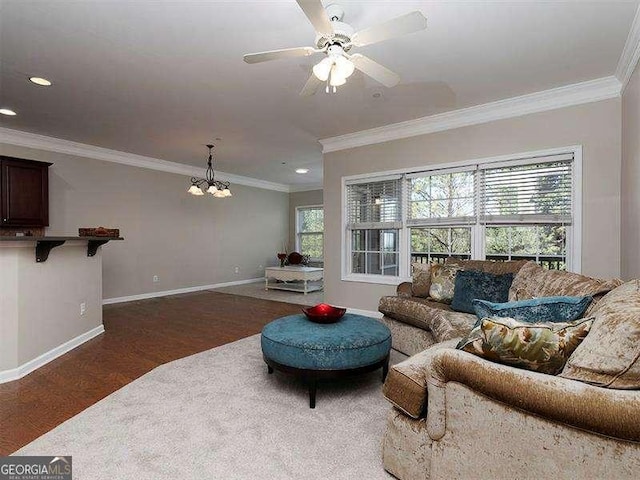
{"x":313,"y":351}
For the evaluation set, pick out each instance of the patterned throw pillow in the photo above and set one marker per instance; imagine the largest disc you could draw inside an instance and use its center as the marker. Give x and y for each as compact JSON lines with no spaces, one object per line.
{"x":443,"y":282}
{"x":473,"y":284}
{"x":421,"y":281}
{"x":541,"y":347}
{"x":545,"y":309}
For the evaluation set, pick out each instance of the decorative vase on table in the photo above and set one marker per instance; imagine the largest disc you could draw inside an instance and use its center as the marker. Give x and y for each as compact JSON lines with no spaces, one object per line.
{"x":282,"y":257}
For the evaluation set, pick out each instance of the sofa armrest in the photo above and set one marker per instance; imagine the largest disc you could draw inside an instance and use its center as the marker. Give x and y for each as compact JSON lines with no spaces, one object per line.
{"x":404,"y":290}
{"x":615,"y":413}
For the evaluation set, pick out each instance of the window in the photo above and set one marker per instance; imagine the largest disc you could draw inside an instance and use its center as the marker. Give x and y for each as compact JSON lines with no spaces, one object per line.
{"x":429,"y":245}
{"x":546,"y":244}
{"x":374,"y":219}
{"x":441,"y":206}
{"x":526,"y":209}
{"x":310,"y":228}
{"x":506,"y":210}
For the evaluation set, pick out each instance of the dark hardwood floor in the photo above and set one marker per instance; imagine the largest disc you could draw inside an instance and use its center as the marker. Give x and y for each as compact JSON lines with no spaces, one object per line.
{"x":138,"y":337}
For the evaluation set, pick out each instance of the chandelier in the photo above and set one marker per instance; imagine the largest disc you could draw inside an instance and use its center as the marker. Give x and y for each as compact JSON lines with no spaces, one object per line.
{"x":209,"y":184}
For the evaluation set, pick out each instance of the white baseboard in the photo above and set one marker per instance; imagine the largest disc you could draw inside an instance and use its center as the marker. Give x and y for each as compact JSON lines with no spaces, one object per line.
{"x":366,"y":313}
{"x":31,"y":365}
{"x":199,"y":288}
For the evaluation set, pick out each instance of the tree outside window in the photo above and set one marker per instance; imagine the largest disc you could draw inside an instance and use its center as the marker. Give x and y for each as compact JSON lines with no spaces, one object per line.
{"x":310,"y":231}
{"x":437,"y":199}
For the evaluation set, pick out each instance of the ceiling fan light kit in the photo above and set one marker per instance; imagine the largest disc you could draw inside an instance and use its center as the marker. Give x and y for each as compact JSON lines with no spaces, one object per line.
{"x":335,"y":39}
{"x":209,"y":184}
{"x":323,"y":69}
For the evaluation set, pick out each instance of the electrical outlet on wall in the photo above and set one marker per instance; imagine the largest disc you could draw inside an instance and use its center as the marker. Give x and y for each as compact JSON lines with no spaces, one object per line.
{"x":156,"y":279}
{"x":236,"y":270}
{"x":83,"y":308}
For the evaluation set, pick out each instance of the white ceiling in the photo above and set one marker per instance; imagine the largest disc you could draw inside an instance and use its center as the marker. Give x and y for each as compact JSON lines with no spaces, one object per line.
{"x":163,"y":78}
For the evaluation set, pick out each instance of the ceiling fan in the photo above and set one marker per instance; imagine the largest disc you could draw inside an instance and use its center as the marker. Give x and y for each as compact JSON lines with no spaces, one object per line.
{"x":335,"y":39}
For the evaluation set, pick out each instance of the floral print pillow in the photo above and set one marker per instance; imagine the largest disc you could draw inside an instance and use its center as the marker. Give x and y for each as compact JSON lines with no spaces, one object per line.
{"x":541,"y":347}
{"x":443,"y":282}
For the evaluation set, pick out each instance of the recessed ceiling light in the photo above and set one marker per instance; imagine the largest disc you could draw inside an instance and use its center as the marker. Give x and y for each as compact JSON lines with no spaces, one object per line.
{"x":302,"y":170}
{"x":40,"y":81}
{"x":6,"y":111}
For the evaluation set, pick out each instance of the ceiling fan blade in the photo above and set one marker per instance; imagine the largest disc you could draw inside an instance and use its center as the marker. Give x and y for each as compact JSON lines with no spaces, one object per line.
{"x":278,"y":54}
{"x":317,"y":15}
{"x":409,"y":23}
{"x":376,"y":71}
{"x":311,"y":87}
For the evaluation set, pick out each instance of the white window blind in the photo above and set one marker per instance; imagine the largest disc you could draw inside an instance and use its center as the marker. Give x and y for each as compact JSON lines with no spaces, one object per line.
{"x":539,"y":191}
{"x":441,"y":198}
{"x":374,"y":205}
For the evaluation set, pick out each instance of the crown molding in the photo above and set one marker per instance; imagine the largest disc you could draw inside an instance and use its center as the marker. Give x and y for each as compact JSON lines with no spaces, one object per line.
{"x":630,"y":53}
{"x":305,"y":188}
{"x":566,"y":96}
{"x":51,"y":144}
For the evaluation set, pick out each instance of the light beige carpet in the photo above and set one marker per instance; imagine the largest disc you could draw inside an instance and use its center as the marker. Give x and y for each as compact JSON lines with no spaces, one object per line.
{"x":257,"y":290}
{"x":219,"y":415}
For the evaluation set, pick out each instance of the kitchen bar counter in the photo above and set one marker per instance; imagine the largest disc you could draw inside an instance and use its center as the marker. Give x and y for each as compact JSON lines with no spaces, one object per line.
{"x":45,"y":244}
{"x":50,"y":304}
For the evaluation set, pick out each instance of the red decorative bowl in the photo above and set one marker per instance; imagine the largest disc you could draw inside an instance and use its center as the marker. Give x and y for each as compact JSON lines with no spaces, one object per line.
{"x":323,"y":313}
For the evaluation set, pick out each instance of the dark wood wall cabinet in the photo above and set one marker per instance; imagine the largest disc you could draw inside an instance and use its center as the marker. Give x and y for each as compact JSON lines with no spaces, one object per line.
{"x":24,"y":193}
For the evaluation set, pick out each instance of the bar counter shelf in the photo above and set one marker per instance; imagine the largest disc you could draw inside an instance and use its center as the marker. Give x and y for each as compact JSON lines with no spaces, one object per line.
{"x":44,"y":245}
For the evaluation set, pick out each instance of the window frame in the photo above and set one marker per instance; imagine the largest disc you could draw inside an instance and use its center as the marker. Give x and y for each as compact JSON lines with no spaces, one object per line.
{"x":346,"y":233}
{"x":299,"y":233}
{"x":573,"y":231}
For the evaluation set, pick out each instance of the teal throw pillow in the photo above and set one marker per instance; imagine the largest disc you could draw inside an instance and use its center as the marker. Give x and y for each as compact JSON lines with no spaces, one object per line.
{"x":543,"y":309}
{"x":472,"y":284}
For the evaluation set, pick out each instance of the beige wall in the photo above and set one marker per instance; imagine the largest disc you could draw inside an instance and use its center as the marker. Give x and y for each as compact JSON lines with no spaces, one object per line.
{"x":8,"y":309}
{"x":40,"y":306}
{"x":596,"y":126}
{"x":300,"y":199}
{"x":630,"y":186}
{"x":187,"y":241}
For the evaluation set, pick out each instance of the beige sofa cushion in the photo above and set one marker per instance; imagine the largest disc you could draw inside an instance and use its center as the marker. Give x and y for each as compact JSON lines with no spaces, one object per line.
{"x":421,"y":281}
{"x":533,"y":281}
{"x":447,"y":324}
{"x":610,"y":355}
{"x":436,"y":317}
{"x":406,"y":383}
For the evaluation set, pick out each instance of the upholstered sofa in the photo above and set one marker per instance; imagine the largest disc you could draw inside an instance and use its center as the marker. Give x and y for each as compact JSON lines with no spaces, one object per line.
{"x":458,"y":416}
{"x":417,"y":321}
